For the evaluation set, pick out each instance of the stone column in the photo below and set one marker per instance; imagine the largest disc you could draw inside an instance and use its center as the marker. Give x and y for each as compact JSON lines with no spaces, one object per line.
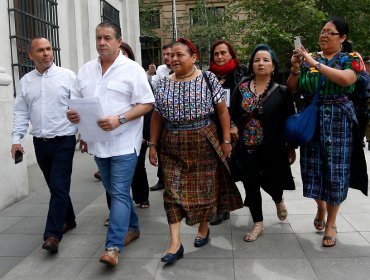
{"x":14,"y":178}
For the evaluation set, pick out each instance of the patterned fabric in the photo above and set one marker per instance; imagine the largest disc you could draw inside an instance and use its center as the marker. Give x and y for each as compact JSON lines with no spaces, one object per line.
{"x":190,"y":100}
{"x":326,"y":160}
{"x":197,"y":183}
{"x":309,"y":77}
{"x":252,"y":134}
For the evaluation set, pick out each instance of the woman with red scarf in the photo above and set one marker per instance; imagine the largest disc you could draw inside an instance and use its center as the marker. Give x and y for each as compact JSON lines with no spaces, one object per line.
{"x":225,"y":65}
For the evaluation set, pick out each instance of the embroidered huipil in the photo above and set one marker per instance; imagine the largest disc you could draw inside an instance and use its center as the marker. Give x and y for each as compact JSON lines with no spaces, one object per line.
{"x":252,"y":133}
{"x":309,"y":77}
{"x":187,"y":101}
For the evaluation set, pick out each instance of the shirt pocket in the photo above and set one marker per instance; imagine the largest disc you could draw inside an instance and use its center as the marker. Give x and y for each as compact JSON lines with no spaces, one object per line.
{"x":119,"y":94}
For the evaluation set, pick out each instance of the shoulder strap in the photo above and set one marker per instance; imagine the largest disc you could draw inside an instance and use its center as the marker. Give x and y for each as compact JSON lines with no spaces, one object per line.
{"x":268,"y":93}
{"x":206,"y":78}
{"x":322,"y":79}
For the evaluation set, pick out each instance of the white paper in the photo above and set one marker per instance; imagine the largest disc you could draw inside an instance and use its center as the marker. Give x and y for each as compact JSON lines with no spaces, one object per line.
{"x":227,"y":95}
{"x":90,"y":111}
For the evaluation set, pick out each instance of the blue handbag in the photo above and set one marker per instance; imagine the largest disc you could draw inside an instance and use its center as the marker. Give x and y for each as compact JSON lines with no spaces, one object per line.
{"x":300,"y":128}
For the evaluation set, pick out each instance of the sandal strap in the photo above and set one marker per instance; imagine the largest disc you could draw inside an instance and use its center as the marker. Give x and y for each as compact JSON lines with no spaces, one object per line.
{"x":327,"y":226}
{"x":256,"y":231}
{"x":331,"y":238}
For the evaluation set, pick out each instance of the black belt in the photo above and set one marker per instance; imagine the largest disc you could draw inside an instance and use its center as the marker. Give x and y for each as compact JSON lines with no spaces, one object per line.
{"x":45,"y":139}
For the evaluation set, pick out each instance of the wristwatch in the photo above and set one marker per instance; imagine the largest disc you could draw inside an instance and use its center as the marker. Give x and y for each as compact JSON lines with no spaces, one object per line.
{"x":122,"y":119}
{"x":318,"y":66}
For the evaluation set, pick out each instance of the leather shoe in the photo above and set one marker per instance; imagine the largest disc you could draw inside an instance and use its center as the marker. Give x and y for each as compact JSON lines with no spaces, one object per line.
{"x":110,"y":257}
{"x":68,"y":226}
{"x":221,"y":217}
{"x":51,"y":244}
{"x":171,"y":258}
{"x":200,"y":241}
{"x":131,"y":236}
{"x":157,"y":187}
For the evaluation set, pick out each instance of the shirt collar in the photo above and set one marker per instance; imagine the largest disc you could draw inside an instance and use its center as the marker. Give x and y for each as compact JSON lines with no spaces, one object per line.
{"x":48,"y":71}
{"x":120,"y":58}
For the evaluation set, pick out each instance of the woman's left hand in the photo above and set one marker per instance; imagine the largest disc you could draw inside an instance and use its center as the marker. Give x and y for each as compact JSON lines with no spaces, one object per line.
{"x":291,"y":156}
{"x":226,"y":148}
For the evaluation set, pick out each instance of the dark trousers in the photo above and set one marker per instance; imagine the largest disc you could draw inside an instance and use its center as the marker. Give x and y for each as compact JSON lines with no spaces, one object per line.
{"x":255,"y":178}
{"x":139,"y":185}
{"x":159,"y":170}
{"x":55,"y":158}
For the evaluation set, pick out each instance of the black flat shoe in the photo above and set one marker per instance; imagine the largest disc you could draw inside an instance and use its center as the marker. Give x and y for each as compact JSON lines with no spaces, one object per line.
{"x":171,"y":258}
{"x":157,"y":187}
{"x":200,"y":242}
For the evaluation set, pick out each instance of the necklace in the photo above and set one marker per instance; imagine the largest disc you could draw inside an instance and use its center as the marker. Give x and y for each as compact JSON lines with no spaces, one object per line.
{"x":255,"y":87}
{"x":187,"y":76}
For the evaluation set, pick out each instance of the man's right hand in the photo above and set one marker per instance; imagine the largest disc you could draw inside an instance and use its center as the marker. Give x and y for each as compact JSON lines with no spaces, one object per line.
{"x":16,"y":147}
{"x":152,"y":69}
{"x":73,"y":116}
{"x":83,"y":146}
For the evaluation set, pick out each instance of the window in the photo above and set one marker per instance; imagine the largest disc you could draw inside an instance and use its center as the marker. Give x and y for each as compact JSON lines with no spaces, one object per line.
{"x":108,"y":12}
{"x":31,"y":18}
{"x":197,"y":17}
{"x":151,"y":52}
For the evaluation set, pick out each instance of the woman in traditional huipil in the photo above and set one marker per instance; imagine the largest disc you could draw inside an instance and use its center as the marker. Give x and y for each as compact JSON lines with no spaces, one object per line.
{"x":327,"y":161}
{"x":194,"y":162}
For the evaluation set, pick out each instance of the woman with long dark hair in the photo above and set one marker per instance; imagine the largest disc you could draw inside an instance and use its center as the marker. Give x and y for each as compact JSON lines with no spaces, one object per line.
{"x":327,"y":160}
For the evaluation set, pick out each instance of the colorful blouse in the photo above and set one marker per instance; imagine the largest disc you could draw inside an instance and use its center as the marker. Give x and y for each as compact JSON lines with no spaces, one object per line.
{"x":309,"y":77}
{"x":187,"y":101}
{"x":252,"y":134}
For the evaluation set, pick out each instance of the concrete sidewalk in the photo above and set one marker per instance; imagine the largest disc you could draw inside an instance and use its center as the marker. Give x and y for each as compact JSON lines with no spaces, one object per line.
{"x":287,"y":250}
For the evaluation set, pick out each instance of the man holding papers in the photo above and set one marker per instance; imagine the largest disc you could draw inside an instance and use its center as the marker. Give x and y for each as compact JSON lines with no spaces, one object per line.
{"x":124,"y":96}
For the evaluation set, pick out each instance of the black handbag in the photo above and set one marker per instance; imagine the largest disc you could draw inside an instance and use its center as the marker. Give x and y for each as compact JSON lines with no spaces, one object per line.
{"x":214,"y":117}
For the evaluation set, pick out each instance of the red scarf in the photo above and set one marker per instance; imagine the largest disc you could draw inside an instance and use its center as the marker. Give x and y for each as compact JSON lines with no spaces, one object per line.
{"x":222,"y":71}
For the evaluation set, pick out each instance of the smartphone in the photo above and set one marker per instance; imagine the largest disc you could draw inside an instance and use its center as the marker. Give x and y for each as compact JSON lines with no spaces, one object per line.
{"x":297,"y":42}
{"x":18,"y":157}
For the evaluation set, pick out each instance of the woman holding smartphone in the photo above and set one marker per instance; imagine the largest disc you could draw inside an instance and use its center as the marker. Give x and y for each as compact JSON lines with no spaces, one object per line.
{"x":326,"y":161}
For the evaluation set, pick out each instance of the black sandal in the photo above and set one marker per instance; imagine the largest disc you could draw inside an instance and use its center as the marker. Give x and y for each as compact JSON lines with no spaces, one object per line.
{"x":317,"y":223}
{"x":330,"y":238}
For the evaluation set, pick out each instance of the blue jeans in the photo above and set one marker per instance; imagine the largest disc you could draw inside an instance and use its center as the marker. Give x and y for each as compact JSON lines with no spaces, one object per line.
{"x":55,"y":157}
{"x":116,"y":174}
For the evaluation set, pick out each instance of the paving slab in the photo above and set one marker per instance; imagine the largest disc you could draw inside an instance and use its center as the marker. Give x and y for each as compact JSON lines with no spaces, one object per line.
{"x":287,"y":250}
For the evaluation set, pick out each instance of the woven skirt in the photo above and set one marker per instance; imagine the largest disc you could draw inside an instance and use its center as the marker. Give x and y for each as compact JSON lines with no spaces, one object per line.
{"x":198,"y":184}
{"x":325,"y":161}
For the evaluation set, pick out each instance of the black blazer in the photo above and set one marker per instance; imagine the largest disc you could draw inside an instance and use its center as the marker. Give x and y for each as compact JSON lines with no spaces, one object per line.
{"x":274,"y":150}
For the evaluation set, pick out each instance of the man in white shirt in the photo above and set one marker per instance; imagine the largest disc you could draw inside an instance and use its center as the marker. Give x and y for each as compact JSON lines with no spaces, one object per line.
{"x":155,"y":75}
{"x":125,"y":95}
{"x":41,"y":101}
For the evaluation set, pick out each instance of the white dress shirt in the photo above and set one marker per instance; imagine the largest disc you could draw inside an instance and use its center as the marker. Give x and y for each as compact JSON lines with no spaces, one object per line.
{"x":162,"y":71}
{"x":41,"y":100}
{"x":122,"y":86}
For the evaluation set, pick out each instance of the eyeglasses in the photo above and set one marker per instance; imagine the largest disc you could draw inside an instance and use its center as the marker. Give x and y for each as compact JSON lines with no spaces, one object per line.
{"x":328,"y":33}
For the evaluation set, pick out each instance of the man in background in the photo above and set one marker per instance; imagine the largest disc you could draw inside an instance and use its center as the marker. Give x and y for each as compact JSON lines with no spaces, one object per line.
{"x":154,"y":76}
